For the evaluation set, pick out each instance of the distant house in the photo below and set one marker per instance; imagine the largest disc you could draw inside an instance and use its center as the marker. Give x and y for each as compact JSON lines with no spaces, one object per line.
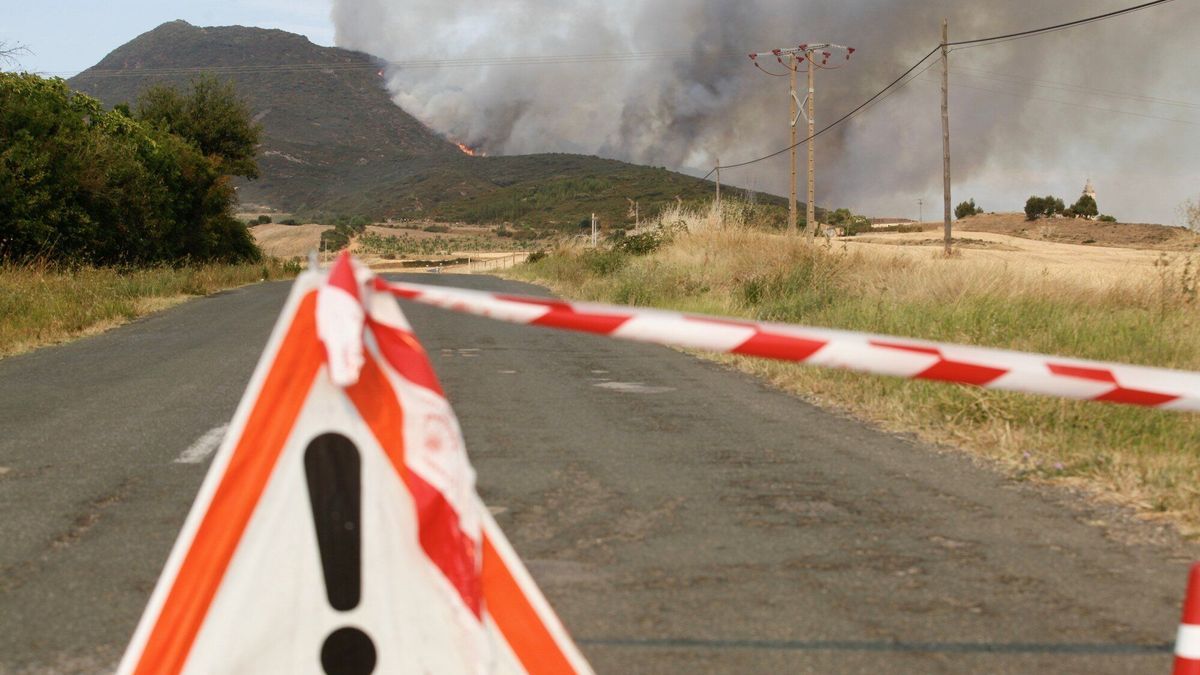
{"x":879,"y":223}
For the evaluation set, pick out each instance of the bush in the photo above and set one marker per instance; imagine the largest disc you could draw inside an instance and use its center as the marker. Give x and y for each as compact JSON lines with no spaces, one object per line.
{"x":82,"y":185}
{"x":503,"y":232}
{"x":603,"y":262}
{"x":537,"y":255}
{"x":336,"y":239}
{"x":967,"y":209}
{"x":644,"y":243}
{"x":1107,"y":219}
{"x":437,"y":228}
{"x":263,"y":220}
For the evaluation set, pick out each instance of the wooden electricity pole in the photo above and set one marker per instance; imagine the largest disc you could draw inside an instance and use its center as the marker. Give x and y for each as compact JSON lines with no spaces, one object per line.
{"x":793,"y":116}
{"x":946,"y":135}
{"x":810,"y":213}
{"x":718,"y":184}
{"x":807,"y":107}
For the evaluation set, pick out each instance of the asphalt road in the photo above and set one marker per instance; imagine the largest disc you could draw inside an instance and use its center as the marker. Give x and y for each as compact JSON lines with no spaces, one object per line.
{"x":681,"y":517}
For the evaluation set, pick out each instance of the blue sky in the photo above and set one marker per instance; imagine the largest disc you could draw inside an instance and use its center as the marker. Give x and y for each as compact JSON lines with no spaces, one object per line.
{"x":67,"y":36}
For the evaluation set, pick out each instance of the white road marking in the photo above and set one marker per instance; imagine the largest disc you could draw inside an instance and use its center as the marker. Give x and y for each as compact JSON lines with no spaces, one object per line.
{"x":633,"y":387}
{"x":497,"y":510}
{"x":203,"y":447}
{"x":599,"y":372}
{"x":507,"y":372}
{"x":4,"y":470}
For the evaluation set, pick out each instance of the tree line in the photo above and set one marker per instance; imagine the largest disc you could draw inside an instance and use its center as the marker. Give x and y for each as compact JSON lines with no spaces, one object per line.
{"x":148,"y":184}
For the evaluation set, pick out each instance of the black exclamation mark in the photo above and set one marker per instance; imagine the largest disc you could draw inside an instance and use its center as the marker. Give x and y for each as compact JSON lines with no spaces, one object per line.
{"x":333,"y":468}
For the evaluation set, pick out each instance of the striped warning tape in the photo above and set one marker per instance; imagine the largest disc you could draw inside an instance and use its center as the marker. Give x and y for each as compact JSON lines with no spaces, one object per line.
{"x":1187,"y":644}
{"x":881,"y":354}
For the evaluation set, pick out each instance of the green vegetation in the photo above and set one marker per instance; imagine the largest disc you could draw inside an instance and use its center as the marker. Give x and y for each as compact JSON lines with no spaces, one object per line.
{"x":1146,"y":457}
{"x":82,"y":185}
{"x":405,"y":245}
{"x":1085,"y":207}
{"x":42,"y":303}
{"x":967,"y":209}
{"x":551,"y":191}
{"x":1037,"y":207}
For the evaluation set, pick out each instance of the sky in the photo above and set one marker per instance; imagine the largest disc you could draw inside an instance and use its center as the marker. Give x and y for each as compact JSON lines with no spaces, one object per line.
{"x":67,"y":36}
{"x":1048,"y":133}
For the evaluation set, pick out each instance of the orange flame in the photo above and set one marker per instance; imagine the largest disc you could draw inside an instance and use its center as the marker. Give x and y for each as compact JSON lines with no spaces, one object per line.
{"x":468,"y":150}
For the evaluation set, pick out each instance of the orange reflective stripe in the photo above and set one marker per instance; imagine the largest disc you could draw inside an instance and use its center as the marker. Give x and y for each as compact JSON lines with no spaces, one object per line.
{"x":517,"y":620}
{"x":283,"y":393}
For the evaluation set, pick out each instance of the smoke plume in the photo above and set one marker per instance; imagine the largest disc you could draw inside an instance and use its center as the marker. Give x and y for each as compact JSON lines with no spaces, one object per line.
{"x":1028,"y":116}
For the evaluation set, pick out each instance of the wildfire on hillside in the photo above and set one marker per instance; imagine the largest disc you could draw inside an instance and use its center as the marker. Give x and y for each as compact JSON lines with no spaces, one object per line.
{"x":468,"y":150}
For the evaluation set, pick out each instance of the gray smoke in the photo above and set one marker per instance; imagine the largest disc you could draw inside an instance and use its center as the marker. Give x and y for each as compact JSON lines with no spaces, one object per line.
{"x":1016,"y":130}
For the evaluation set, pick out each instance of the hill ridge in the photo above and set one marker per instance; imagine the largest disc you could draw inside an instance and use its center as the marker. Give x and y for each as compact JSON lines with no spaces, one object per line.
{"x":334,"y":141}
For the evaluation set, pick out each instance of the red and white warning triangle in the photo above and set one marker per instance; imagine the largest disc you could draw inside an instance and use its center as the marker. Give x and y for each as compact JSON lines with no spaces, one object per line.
{"x":338,"y":529}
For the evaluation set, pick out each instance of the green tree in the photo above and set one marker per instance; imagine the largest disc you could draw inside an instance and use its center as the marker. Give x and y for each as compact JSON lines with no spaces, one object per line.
{"x":966,"y":209}
{"x":839,"y":217}
{"x":211,"y":115}
{"x":1035,"y":207}
{"x":81,"y":184}
{"x":1086,"y":207}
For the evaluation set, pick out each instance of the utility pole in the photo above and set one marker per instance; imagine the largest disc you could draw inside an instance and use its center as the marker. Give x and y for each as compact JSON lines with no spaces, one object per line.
{"x":946,"y":133}
{"x":920,"y":211}
{"x":594,"y":229}
{"x":793,"y":115}
{"x":810,"y":215}
{"x":718,"y":185}
{"x":810,"y":53}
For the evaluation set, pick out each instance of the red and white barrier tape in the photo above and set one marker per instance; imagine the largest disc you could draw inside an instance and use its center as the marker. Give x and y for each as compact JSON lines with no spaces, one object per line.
{"x":881,"y":354}
{"x":1187,"y":644}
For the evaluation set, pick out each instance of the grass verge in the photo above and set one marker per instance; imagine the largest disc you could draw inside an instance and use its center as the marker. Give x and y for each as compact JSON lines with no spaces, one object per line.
{"x":43,"y":304}
{"x":1146,"y":458}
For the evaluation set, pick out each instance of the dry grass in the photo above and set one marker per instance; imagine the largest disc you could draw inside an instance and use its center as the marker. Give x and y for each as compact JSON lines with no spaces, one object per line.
{"x":42,"y":304}
{"x":1147,"y":458}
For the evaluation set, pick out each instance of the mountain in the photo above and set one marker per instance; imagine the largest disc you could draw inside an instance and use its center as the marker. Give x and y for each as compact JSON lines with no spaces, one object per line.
{"x":335,"y":143}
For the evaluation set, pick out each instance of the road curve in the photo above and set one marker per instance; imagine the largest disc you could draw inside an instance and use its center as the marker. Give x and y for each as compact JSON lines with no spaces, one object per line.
{"x":680,"y":516}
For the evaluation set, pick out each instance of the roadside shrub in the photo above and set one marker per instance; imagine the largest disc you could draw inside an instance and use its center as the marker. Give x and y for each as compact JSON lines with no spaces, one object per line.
{"x":602,"y":262}
{"x":537,"y":255}
{"x":644,"y":243}
{"x":264,"y":219}
{"x":289,"y":221}
{"x":437,"y":228}
{"x":1105,"y":218}
{"x":81,"y":185}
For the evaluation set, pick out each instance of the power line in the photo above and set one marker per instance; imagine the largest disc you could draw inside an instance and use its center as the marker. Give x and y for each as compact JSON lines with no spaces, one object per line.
{"x":962,"y":44}
{"x":841,"y":119}
{"x":1056,"y":27}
